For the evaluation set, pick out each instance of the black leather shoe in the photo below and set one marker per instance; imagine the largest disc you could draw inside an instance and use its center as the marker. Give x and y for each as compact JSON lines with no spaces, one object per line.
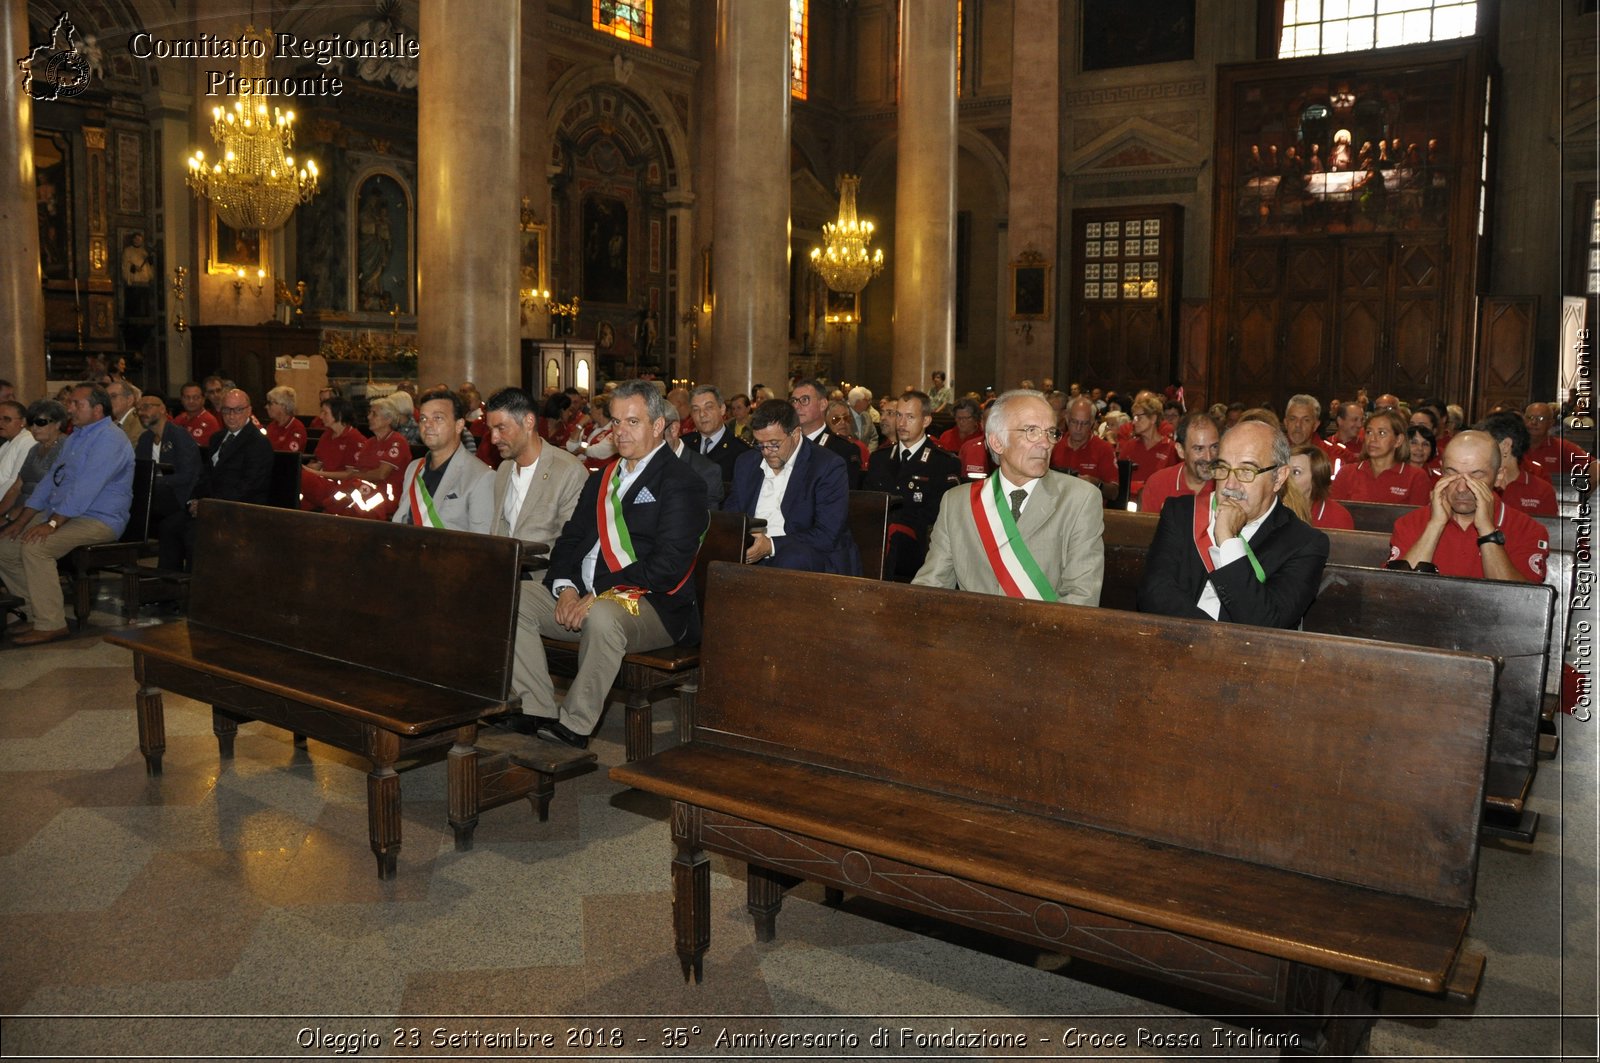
{"x":525,"y":723}
{"x":557,"y":731}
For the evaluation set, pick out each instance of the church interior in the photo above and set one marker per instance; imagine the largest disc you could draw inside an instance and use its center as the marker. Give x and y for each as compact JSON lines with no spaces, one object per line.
{"x":1242,"y":199}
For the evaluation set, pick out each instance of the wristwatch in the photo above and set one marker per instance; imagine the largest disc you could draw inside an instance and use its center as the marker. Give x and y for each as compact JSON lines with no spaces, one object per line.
{"x":54,"y":524}
{"x":1497,"y":537}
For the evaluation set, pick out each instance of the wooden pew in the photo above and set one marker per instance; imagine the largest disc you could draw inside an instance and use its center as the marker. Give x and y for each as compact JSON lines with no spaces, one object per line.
{"x":292,"y":622}
{"x":869,"y":526}
{"x":82,"y":563}
{"x":678,"y":665}
{"x":1509,"y":621}
{"x":1124,"y":528}
{"x":1258,"y":848}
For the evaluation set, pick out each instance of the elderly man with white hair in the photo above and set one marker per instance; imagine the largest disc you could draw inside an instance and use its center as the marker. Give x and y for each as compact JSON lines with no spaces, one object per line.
{"x":1023,"y":531}
{"x":866,"y":416}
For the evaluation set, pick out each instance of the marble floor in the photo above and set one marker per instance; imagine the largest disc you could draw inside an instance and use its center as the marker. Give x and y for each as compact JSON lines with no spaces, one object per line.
{"x":232,"y":910}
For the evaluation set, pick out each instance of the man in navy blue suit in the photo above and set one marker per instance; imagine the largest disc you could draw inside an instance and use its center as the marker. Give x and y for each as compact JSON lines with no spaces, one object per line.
{"x":619,"y":572}
{"x":801,"y":490}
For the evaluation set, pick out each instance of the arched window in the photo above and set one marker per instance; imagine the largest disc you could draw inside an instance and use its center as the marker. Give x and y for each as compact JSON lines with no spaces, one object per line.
{"x":1324,"y":27}
{"x":628,"y":20}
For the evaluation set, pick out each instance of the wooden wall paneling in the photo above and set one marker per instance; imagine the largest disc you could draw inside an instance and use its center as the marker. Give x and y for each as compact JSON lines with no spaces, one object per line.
{"x":1506,"y":325}
{"x":1417,"y":319}
{"x":1194,"y":333}
{"x":1307,"y":333}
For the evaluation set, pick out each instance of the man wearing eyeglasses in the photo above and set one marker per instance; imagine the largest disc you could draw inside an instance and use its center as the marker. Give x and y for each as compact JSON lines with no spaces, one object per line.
{"x":1549,"y":454}
{"x":800,"y":490}
{"x":1238,"y":554}
{"x":167,"y":444}
{"x":236,"y":468}
{"x":1083,"y":454}
{"x":447,"y":487}
{"x":919,"y":473}
{"x":1023,"y":531}
{"x":83,"y":499}
{"x":810,"y":402}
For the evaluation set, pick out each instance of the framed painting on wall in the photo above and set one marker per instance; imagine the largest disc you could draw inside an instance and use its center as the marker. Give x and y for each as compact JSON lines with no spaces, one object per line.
{"x":1117,"y":33}
{"x":233,"y":249}
{"x":1030,"y":289}
{"x":605,"y":249}
{"x":383,"y":245}
{"x":52,"y":170}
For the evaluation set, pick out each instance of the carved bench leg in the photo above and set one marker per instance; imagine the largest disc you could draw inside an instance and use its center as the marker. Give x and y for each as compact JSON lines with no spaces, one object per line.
{"x":82,"y":597}
{"x":383,"y":802}
{"x":640,"y":721}
{"x":686,"y":696}
{"x":544,"y":788}
{"x":765,"y":897}
{"x":225,"y":726}
{"x":152,"y":728}
{"x":130,"y":593}
{"x":463,"y":785}
{"x":299,"y":741}
{"x":691,"y":891}
{"x":1333,"y":1013}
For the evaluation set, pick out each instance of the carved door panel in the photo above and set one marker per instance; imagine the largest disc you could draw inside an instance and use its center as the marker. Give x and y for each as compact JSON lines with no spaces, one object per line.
{"x":1417,"y":316}
{"x":1146,"y":344}
{"x":1124,"y":287}
{"x":1307,"y":335}
{"x":1095,"y":346}
{"x":1254,"y":341}
{"x":1506,"y":329}
{"x":1360,"y":328}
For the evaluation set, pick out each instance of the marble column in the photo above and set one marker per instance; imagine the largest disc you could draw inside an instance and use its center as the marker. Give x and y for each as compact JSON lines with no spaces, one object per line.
{"x":469,"y":194}
{"x":750,"y":221}
{"x":168,"y":113}
{"x":1035,"y":192}
{"x":925,"y":197}
{"x":21,"y":295}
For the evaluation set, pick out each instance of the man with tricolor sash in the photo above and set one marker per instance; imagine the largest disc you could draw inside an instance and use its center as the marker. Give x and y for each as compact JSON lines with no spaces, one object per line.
{"x":619,"y":576}
{"x":1024,"y":531}
{"x":447,"y":487}
{"x":1236,"y":554}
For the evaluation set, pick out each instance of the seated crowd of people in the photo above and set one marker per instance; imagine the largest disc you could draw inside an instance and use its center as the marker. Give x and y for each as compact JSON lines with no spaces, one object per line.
{"x":1009,"y":499}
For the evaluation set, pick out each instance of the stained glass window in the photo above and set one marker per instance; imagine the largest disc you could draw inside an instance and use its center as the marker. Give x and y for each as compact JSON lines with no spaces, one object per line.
{"x":629,"y":20}
{"x":799,"y":55}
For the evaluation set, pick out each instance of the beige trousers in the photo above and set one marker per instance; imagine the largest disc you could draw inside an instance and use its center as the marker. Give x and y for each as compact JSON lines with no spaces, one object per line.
{"x":29,"y":569}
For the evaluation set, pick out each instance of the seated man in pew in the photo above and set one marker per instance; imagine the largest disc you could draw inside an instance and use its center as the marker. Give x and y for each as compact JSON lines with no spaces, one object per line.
{"x":238,"y":469}
{"x":1466,"y":529}
{"x":1024,"y":531}
{"x":801,"y":490}
{"x":167,"y":444}
{"x":1239,"y":556}
{"x":618,"y":580}
{"x":84,"y":499}
{"x":918,"y":472}
{"x":713,"y":436}
{"x":448,"y":487}
{"x":1083,"y":454}
{"x":1196,"y":439}
{"x":703,"y":466}
{"x":536,"y":487}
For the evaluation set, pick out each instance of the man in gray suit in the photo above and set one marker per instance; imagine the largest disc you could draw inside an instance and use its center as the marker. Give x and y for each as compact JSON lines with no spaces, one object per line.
{"x":1023,"y":531}
{"x":536,"y":487}
{"x":448,"y":487}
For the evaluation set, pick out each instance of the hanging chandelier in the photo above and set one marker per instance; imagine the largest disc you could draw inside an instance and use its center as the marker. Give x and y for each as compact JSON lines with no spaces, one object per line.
{"x":845,"y":263}
{"x":254,"y":185}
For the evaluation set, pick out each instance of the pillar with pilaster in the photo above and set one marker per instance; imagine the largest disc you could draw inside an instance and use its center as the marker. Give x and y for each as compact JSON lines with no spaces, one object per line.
{"x":21,"y":294}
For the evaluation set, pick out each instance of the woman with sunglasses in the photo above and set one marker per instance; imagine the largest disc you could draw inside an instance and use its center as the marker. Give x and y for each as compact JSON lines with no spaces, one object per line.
{"x":47,"y":420}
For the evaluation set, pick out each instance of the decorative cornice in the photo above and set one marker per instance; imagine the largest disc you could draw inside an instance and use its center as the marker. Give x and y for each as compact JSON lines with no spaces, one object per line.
{"x":583,"y":33}
{"x":1167,"y":90}
{"x":965,"y":108}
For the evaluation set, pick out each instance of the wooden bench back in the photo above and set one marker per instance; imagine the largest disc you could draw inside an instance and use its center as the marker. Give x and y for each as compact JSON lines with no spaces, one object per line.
{"x":1218,"y":738}
{"x":1496,"y":618}
{"x":1380,"y":517}
{"x":869,"y":526}
{"x":438,"y":607}
{"x":726,"y":540}
{"x":283,"y":486}
{"x":1369,"y":549}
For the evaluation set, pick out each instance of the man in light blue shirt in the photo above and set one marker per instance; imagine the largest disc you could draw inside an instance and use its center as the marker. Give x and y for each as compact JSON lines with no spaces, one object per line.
{"x":83,"y":499}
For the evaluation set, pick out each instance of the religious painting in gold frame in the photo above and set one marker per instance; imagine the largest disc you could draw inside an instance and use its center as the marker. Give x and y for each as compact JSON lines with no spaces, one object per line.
{"x":1030,"y":288}
{"x":535,"y":272}
{"x":842,"y":308}
{"x":230,"y":250}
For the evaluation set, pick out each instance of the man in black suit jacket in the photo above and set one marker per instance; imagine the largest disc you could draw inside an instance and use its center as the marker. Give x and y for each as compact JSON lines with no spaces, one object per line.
{"x":1246,"y":559}
{"x":619,"y":572}
{"x":712,"y":437}
{"x":808,"y":524}
{"x":238,"y":468}
{"x":703,"y":466}
{"x":169,"y":445}
{"x":919,"y":473}
{"x":810,"y":403}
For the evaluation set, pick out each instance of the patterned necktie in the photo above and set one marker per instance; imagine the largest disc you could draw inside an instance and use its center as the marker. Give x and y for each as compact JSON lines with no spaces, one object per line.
{"x":1016,"y":502}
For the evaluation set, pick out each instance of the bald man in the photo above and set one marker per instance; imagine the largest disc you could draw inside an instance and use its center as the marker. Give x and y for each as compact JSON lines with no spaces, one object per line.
{"x":1466,"y":529}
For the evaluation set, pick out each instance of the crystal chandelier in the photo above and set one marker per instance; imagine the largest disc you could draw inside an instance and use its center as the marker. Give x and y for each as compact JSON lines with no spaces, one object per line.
{"x":845,"y":263}
{"x":255,"y":184}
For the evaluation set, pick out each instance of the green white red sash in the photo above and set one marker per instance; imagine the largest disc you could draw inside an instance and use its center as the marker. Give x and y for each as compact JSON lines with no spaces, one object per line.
{"x":1018,"y":573}
{"x":422,"y":508}
{"x":615,"y":543}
